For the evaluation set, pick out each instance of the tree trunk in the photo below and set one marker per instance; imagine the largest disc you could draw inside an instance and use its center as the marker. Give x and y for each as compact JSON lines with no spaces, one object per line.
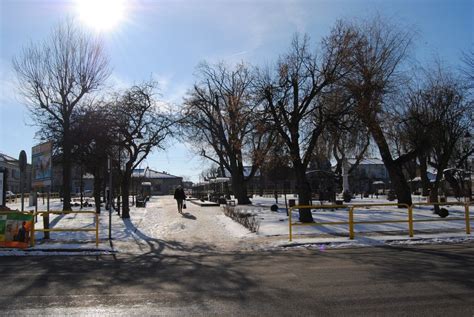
{"x":434,"y":197}
{"x":127,"y":175}
{"x":66,"y":173}
{"x":394,"y":168}
{"x":81,"y":186}
{"x":97,"y":190}
{"x":239,"y":187}
{"x":104,"y":183}
{"x":304,"y":192}
{"x":399,"y":182}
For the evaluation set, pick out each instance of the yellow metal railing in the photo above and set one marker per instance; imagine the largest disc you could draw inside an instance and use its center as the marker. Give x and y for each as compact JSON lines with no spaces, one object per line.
{"x":291,"y":224}
{"x":466,"y":217}
{"x":96,"y":229}
{"x":410,"y":221}
{"x":352,"y":222}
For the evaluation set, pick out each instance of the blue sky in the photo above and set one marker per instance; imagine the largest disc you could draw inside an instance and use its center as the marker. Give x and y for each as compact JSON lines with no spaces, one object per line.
{"x":165,"y":40}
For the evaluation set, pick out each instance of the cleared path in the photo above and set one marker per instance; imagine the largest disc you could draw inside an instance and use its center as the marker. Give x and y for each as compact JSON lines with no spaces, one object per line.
{"x":160,"y":226}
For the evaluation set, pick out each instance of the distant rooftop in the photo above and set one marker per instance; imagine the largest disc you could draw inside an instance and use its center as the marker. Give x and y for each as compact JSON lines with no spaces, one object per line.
{"x":247,"y":170}
{"x":7,"y":158}
{"x":367,"y":161}
{"x":149,"y":173}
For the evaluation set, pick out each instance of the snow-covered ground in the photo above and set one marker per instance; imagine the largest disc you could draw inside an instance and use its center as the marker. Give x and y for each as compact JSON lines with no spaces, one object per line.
{"x":276,"y":223}
{"x":159,"y":228}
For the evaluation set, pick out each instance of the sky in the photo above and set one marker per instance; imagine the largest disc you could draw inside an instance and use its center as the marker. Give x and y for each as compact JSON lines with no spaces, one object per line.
{"x":166,"y":40}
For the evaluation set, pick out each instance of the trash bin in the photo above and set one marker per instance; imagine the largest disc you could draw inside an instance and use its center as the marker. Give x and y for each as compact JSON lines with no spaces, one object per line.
{"x":141,"y":202}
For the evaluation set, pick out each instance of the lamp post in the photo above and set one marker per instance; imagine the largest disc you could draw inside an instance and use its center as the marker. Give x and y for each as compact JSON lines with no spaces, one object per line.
{"x":467,"y":167}
{"x":22,"y":165}
{"x":110,"y":197}
{"x":119,"y":192}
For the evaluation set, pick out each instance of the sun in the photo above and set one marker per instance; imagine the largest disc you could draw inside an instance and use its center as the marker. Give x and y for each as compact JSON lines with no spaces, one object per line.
{"x":101,"y":15}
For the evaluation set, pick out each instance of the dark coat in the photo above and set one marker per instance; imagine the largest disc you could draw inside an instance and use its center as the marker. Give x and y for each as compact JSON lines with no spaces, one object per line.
{"x":179,"y":194}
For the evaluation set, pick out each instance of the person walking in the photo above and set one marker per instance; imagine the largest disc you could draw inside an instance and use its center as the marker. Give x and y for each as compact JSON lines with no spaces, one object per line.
{"x":180,"y":196}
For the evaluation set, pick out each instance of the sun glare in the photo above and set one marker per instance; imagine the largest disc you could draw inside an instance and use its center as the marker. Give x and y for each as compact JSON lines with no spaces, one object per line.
{"x":101,"y":15}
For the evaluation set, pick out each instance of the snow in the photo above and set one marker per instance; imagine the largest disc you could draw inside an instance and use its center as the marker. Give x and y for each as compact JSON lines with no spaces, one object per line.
{"x":160,"y":228}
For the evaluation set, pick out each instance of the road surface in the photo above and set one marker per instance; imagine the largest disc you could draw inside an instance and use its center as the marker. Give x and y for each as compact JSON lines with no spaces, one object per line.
{"x":434,"y":280}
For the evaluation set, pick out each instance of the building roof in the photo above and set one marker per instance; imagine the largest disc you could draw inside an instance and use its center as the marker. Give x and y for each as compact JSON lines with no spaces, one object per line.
{"x":149,"y":173}
{"x":7,"y":158}
{"x":367,"y":161}
{"x":247,"y":170}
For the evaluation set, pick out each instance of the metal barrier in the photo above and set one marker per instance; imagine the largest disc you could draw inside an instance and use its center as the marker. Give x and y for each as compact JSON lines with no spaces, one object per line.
{"x":352,"y":222}
{"x":410,"y":221}
{"x":291,"y":224}
{"x":270,"y":193}
{"x":14,"y":198}
{"x":96,"y":217}
{"x":466,"y":217}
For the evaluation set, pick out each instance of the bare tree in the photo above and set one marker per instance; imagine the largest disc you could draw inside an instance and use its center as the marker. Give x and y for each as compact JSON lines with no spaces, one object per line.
{"x":94,"y":141}
{"x":468,"y":68}
{"x":346,"y":137}
{"x":436,"y":120}
{"x":140,"y":127}
{"x":294,"y":93}
{"x":54,"y":76}
{"x":226,"y":123}
{"x":376,"y":74}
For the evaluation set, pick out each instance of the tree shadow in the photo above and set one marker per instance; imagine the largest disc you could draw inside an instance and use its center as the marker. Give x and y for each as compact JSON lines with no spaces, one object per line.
{"x":196,"y":274}
{"x":157,"y":246}
{"x":420,"y":263}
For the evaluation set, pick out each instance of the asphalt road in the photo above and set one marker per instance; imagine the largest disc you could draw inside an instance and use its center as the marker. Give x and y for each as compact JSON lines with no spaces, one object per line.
{"x":436,"y":280}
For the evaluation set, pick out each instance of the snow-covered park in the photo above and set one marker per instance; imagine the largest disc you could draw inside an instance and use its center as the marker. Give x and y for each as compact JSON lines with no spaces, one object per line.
{"x":159,"y":228}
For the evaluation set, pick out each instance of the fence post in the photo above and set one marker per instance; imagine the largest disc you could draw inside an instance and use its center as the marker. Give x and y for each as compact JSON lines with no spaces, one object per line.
{"x":466,"y":215}
{"x":410,"y":220}
{"x":351,"y":223}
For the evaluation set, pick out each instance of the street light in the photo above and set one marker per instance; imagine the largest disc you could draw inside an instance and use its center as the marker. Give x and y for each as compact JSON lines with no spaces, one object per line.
{"x":109,"y":165}
{"x":467,"y":167}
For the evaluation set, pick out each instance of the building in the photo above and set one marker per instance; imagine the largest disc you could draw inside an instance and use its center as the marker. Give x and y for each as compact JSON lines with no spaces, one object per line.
{"x":12,"y":168}
{"x":369,"y":176}
{"x":162,"y":183}
{"x":86,"y":179}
